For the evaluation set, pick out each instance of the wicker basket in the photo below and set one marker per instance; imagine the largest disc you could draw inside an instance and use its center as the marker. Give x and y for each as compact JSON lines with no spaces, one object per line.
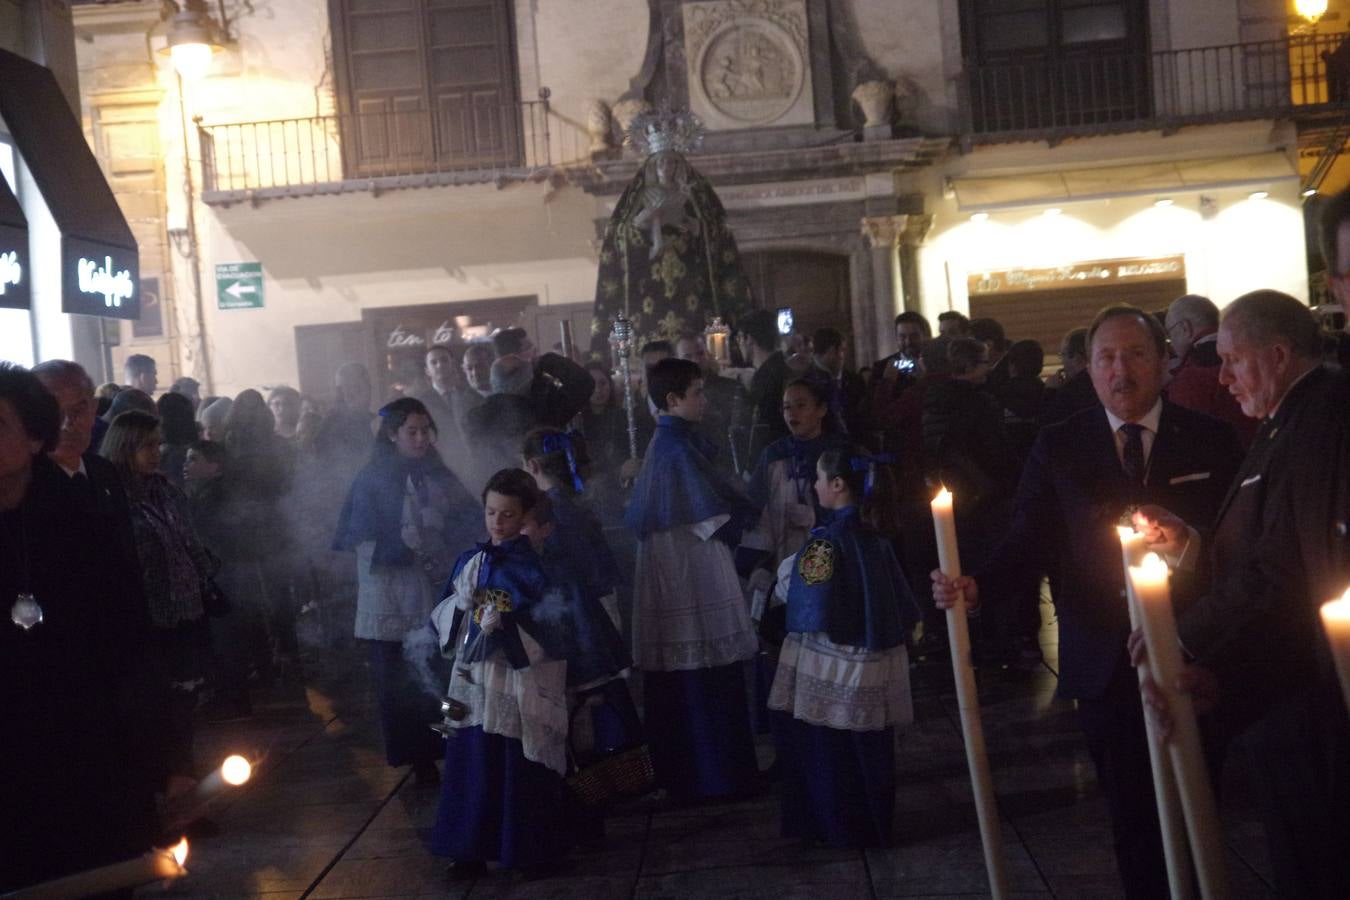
{"x":621,"y":775}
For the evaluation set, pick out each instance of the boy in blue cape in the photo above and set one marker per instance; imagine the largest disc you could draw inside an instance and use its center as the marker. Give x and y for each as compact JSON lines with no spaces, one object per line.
{"x":691,"y":629}
{"x":502,"y":795}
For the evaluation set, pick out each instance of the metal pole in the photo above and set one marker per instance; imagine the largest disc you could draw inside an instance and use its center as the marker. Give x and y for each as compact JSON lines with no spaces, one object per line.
{"x":622,"y":338}
{"x":193,"y":254}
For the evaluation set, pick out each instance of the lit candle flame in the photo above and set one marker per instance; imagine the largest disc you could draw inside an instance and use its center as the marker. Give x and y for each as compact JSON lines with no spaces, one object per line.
{"x":943,"y":498}
{"x":236,"y":770}
{"x":1337,"y":610}
{"x":180,"y":851}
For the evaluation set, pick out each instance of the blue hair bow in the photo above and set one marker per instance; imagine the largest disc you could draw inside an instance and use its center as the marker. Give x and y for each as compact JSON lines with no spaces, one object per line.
{"x":563,"y":442}
{"x":869,"y":465}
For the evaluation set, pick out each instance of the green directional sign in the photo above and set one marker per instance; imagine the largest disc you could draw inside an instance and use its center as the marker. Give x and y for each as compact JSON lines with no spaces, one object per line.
{"x":239,"y":285}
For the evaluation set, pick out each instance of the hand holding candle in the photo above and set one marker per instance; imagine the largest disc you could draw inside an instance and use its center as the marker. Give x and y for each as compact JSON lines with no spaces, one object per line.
{"x":157,"y":865}
{"x":949,"y":582}
{"x":1149,"y":588}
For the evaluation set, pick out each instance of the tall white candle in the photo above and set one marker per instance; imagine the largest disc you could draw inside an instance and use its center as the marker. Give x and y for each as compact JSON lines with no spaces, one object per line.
{"x":1171,"y":820}
{"x":157,"y":865}
{"x":1336,"y":624}
{"x":1149,"y":582}
{"x":968,"y":700}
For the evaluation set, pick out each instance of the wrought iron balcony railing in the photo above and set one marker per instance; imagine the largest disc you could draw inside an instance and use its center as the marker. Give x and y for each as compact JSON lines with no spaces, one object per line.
{"x":391,"y":149}
{"x":1298,"y":75}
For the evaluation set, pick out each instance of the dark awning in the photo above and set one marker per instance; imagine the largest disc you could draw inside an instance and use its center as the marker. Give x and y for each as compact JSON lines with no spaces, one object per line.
{"x":14,"y":268}
{"x":100,"y":267}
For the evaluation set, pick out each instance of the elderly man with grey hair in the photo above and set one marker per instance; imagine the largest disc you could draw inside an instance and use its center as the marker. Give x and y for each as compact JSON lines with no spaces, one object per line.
{"x":1193,"y":330}
{"x":1278,"y":551}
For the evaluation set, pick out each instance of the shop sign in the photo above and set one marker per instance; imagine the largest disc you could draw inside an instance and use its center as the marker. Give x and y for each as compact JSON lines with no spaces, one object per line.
{"x":100,"y":280}
{"x":1094,"y":273}
{"x":239,"y":285}
{"x":11,"y":271}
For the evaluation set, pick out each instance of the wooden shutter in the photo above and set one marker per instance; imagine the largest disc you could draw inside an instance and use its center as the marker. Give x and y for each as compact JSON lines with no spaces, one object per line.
{"x":426,"y":85}
{"x":473,"y":82}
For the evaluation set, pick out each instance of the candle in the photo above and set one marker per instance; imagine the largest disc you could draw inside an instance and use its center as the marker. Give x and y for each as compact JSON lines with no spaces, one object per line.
{"x":1171,"y":821}
{"x":157,"y":865}
{"x":1336,"y":623}
{"x":968,"y":700}
{"x":234,"y":771}
{"x":1152,"y":593}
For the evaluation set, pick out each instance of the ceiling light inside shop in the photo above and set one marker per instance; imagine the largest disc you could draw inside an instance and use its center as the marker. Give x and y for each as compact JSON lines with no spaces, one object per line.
{"x":1053,"y":211}
{"x":1258,"y":195}
{"x":1163,"y":201}
{"x":980,"y":217}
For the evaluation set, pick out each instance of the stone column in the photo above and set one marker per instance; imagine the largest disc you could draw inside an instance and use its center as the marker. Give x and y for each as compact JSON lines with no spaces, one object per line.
{"x":895,"y":278}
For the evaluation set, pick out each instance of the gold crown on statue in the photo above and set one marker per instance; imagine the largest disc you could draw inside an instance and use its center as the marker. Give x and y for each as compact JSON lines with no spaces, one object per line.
{"x":655,"y":131}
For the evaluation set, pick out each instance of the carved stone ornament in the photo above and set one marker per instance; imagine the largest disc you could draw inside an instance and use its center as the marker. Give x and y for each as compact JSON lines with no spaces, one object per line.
{"x":597,"y":127}
{"x":891,"y":231}
{"x":625,"y":111}
{"x":748,"y":63}
{"x":875,"y":99}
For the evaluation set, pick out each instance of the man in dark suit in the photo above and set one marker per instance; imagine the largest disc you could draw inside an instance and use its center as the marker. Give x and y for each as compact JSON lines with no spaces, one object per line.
{"x":759,"y":343}
{"x":1278,"y":552}
{"x":1070,"y":389}
{"x":848,"y":394}
{"x":1082,"y":477}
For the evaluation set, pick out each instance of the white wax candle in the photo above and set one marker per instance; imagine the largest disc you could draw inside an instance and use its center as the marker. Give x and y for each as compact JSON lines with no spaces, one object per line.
{"x":968,"y":701}
{"x":944,"y":520}
{"x":1336,"y":624}
{"x":157,"y":865}
{"x":1153,"y":594}
{"x":1171,"y":821}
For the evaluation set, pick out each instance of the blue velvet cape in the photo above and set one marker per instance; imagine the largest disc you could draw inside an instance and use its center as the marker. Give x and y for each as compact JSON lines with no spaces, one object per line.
{"x":804,"y":454}
{"x":847,"y":583}
{"x":678,"y":485}
{"x":515,"y":569}
{"x":374,"y":507}
{"x":579,"y":539}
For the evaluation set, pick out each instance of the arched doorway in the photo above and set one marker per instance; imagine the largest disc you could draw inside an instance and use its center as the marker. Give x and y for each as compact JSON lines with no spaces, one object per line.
{"x":814,"y":284}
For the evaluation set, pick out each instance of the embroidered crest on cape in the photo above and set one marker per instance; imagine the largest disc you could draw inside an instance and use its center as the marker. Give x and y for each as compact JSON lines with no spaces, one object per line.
{"x":817,"y":563}
{"x":484,"y":597}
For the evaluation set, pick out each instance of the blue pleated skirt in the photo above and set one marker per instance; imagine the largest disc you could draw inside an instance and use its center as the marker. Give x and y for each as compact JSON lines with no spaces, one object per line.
{"x":838,"y":786}
{"x":698,"y":731}
{"x":496,"y":805}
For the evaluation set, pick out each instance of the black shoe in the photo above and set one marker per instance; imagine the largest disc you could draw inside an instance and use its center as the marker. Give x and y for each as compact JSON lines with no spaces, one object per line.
{"x":466,"y":870}
{"x":425,"y":774}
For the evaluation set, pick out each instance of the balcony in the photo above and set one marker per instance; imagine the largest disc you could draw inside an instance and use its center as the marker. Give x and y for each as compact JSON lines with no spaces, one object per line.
{"x":374,"y":152}
{"x":1307,"y":76}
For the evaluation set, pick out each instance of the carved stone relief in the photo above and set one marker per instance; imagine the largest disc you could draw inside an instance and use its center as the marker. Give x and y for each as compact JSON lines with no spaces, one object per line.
{"x":748,"y":63}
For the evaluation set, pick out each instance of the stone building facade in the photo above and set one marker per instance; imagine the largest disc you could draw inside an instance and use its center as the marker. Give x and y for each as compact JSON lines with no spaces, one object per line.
{"x":355,"y":178}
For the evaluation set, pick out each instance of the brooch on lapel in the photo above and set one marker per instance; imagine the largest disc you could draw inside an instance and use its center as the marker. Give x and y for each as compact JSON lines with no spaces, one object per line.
{"x":817,"y":563}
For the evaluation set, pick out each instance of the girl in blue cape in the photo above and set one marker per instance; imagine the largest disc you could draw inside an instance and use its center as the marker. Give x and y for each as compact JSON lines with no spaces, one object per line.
{"x":691,"y":629}
{"x":781,"y":487}
{"x":502,"y":791}
{"x":399,"y":518}
{"x":842,"y":685}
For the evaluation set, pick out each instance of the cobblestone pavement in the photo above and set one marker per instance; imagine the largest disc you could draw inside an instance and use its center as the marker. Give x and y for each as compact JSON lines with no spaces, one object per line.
{"x":326,"y":818}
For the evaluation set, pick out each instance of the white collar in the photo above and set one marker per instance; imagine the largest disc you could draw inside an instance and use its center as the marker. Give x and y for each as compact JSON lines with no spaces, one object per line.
{"x":78,"y":470}
{"x":1149,"y":420}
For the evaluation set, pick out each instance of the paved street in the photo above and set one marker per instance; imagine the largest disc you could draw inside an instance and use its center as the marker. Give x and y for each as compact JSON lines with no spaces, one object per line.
{"x":325,"y":818}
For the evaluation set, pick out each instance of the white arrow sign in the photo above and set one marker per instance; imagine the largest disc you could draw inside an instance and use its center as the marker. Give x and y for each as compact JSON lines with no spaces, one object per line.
{"x":238,"y":289}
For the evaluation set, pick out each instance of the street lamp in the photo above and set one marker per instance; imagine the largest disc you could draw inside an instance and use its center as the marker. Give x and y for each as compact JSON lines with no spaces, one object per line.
{"x":192,"y":40}
{"x":1311,"y":10}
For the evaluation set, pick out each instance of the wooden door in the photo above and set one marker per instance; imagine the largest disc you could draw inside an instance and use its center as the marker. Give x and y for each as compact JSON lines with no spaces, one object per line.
{"x":472,"y":77}
{"x":814,"y":285}
{"x":321,"y":349}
